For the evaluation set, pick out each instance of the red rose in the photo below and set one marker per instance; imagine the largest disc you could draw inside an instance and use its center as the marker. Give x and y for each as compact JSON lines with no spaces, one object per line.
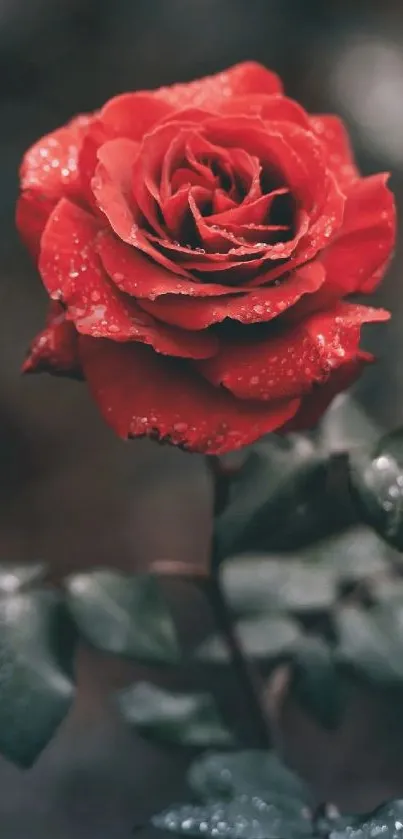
{"x":197,"y":242}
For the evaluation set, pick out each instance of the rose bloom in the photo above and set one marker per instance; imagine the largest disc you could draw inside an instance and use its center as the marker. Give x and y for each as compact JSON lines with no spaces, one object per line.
{"x":198,"y":243}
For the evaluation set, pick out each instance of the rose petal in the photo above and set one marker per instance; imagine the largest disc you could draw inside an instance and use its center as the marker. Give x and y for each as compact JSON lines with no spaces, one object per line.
{"x":55,"y":349}
{"x":300,"y":157}
{"x":256,"y":306}
{"x":268,"y":108}
{"x":212,"y":91}
{"x":141,"y":393}
{"x":50,"y":165}
{"x":111,"y":186}
{"x":270,"y":263}
{"x":253,"y":213}
{"x":32,"y":212}
{"x":72,"y":272}
{"x":48,"y":171}
{"x":96,"y":136}
{"x":295,"y":154}
{"x":332,"y":132}
{"x":357,"y":259}
{"x":315,"y":403}
{"x":160,"y":151}
{"x":133,"y":114}
{"x":289,"y":364}
{"x":177,"y":210}
{"x":134,"y":274}
{"x":222,"y":202}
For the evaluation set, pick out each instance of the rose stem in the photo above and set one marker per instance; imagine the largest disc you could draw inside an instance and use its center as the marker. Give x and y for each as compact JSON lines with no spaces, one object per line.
{"x":244,"y":671}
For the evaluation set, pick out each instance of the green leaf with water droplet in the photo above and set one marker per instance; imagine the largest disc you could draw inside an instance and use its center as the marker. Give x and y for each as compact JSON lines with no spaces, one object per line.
{"x":249,"y":817}
{"x":224,"y":775}
{"x":377,"y":485}
{"x":188,"y":719}
{"x":123,"y":615}
{"x":36,"y":690}
{"x":247,"y":794}
{"x":264,"y":638}
{"x":385,"y":821}
{"x":370,"y":642}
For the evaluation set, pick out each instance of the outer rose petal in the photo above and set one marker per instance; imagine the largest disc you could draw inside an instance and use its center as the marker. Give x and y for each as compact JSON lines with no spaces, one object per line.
{"x":277,"y":107}
{"x":55,"y":349}
{"x":289,"y":364}
{"x":142,"y":393}
{"x":133,"y":114}
{"x":212,"y":91}
{"x":257,"y":305}
{"x":333,"y":134}
{"x":72,"y":272}
{"x":48,"y":171}
{"x":50,"y":165}
{"x":32,"y":213}
{"x":357,"y":259}
{"x":315,"y":403}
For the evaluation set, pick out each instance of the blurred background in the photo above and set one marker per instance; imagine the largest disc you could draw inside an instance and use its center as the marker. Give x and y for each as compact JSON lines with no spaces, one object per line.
{"x":70,"y":493}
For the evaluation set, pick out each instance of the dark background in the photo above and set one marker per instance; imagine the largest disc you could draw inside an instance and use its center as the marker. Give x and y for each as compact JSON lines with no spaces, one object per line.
{"x":73,"y":495}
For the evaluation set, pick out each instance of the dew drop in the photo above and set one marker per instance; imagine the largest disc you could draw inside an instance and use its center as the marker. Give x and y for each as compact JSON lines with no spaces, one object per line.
{"x":180,"y":427}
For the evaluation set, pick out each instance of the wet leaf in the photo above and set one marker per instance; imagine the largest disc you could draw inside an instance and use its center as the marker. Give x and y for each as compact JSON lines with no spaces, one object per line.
{"x":36,"y":649}
{"x":356,"y":555}
{"x":316,"y":682}
{"x":268,"y":495}
{"x":123,"y":615}
{"x":377,"y":484}
{"x":247,"y":794}
{"x":246,"y":817}
{"x":327,"y":818}
{"x":385,"y":821}
{"x":230,"y":785}
{"x":371,"y":642}
{"x":224,"y":775}
{"x":261,"y":585}
{"x":388,"y":590}
{"x":179,"y":718}
{"x":263,"y":638}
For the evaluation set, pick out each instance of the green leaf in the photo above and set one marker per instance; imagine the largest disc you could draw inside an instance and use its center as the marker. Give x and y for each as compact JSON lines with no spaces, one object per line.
{"x":123,"y":615}
{"x":223,"y":775}
{"x":251,"y":817}
{"x":385,"y":821}
{"x":371,"y":642}
{"x":189,"y":719}
{"x":262,"y":584}
{"x":263,"y":638}
{"x":356,"y":555}
{"x":388,"y":590}
{"x":36,"y":650}
{"x":377,"y":484}
{"x":248,"y":795}
{"x":268,"y":495}
{"x":316,"y":684}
